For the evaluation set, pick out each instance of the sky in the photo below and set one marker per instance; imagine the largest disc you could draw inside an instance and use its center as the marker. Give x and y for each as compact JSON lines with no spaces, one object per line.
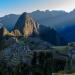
{"x":19,"y":6}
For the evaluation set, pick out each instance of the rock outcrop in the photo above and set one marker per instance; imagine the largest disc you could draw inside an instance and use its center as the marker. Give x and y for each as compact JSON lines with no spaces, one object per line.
{"x":3,"y":31}
{"x":26,"y":26}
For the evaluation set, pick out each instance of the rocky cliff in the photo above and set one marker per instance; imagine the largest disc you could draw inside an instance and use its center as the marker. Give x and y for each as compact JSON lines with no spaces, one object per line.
{"x":26,"y":26}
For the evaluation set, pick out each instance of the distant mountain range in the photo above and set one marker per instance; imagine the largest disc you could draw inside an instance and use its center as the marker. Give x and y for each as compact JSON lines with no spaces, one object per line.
{"x":9,"y":21}
{"x":55,"y":19}
{"x":61,"y":21}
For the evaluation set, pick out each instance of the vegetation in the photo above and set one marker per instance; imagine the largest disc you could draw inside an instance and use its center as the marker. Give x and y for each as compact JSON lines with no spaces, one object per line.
{"x":41,"y":64}
{"x":61,"y":48}
{"x":1,"y":44}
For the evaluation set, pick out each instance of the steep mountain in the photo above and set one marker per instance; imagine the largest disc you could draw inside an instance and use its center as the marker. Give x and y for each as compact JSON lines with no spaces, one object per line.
{"x":50,"y":35}
{"x":26,"y":26}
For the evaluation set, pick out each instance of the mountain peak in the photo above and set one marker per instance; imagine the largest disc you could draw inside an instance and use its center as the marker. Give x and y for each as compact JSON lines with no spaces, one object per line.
{"x":26,"y":25}
{"x":24,"y":14}
{"x":3,"y":30}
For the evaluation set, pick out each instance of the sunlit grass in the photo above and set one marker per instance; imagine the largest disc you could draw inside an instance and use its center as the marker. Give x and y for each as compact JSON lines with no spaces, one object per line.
{"x":61,"y":48}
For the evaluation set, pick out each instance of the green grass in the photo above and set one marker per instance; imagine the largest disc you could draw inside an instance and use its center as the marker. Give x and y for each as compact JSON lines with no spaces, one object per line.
{"x":61,"y":48}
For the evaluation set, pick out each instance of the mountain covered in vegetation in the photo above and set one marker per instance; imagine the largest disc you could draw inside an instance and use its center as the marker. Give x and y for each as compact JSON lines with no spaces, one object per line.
{"x":57,"y":20}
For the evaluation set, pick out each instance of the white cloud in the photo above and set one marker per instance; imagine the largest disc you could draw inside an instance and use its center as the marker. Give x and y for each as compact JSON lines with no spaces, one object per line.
{"x":1,"y":14}
{"x":67,"y":5}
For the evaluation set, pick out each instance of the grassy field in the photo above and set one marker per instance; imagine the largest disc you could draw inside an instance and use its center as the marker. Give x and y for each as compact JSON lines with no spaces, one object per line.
{"x":61,"y":48}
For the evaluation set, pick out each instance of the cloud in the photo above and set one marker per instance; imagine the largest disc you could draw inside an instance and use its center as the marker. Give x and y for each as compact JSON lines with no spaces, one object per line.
{"x":1,"y":14}
{"x":67,"y":5}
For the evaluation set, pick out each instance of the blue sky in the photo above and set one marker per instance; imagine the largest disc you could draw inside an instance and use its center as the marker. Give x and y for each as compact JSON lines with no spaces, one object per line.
{"x":19,"y":6}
